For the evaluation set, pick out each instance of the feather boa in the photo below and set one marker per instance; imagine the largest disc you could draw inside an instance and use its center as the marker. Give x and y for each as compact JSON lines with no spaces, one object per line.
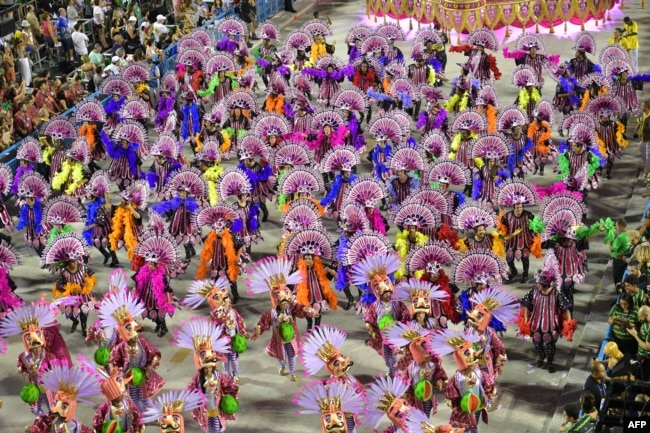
{"x":569,"y":86}
{"x":283,"y":70}
{"x":377,"y":222}
{"x":465,"y":305}
{"x":536,"y":247}
{"x":116,"y":151}
{"x":457,"y":103}
{"x":54,"y":232}
{"x":152,"y":178}
{"x":8,"y":300}
{"x":302,"y":289}
{"x":225,"y":44}
{"x":165,"y":106}
{"x":407,"y":100}
{"x":20,"y":172}
{"x":491,"y":115}
{"x":525,"y":98}
{"x":435,"y":64}
{"x":24,"y":222}
{"x":341,"y":271}
{"x":378,"y":96}
{"x":69,"y":170}
{"x":380,"y":167}
{"x":368,"y":297}
{"x":620,"y":135}
{"x":255,"y":177}
{"x":639,"y":77}
{"x":253,"y":217}
{"x":461,"y":198}
{"x":536,"y":225}
{"x":568,"y":328}
{"x":422,"y":120}
{"x":123,"y":228}
{"x":554,"y":189}
{"x":170,"y":206}
{"x":596,"y":160}
{"x":232,"y":271}
{"x":113,"y":106}
{"x":156,"y":279}
{"x":92,"y":208}
{"x":542,"y":141}
{"x":335,"y":188}
{"x":261,"y":62}
{"x":516,"y":54}
{"x":72,"y":289}
{"x":501,"y":228}
{"x":463,"y":48}
{"x":288,"y":109}
{"x":89,"y":131}
{"x":524,"y":327}
{"x":493,"y":67}
{"x":337,"y":138}
{"x":477,"y":185}
{"x":563,"y":166}
{"x":193,"y":111}
{"x":401,"y":246}
{"x":211,"y":175}
{"x":358,"y":141}
{"x":498,"y":244}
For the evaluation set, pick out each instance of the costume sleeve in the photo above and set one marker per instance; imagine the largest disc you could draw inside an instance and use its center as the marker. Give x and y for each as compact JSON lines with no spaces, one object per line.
{"x":527,"y":300}
{"x":265,"y":322}
{"x":451,"y":392}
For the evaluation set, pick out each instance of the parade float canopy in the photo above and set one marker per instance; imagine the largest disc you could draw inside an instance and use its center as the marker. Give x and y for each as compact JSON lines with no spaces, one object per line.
{"x":465,"y":16}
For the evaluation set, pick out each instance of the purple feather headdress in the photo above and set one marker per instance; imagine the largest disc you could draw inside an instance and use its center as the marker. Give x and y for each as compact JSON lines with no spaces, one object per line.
{"x":405,"y":290}
{"x":329,"y":60}
{"x":6,"y":178}
{"x":319,"y":398}
{"x":134,"y":109}
{"x":187,"y":43}
{"x":30,"y":150}
{"x":74,"y":382}
{"x":116,"y":86}
{"x":310,"y":241}
{"x":326,"y":117}
{"x":137,"y":194}
{"x":425,"y":35}
{"x":301,"y":180}
{"x":90,"y":110}
{"x":241,"y":99}
{"x":490,"y":146}
{"x":578,"y":117}
{"x":386,"y":129}
{"x":617,"y":66}
{"x":9,"y":257}
{"x":302,"y":215}
{"x":404,"y":90}
{"x":278,"y":86}
{"x":503,"y":305}
{"x":390,"y":31}
{"x":598,"y":79}
{"x":553,"y":204}
{"x":380,"y":395}
{"x":158,"y":248}
{"x":407,"y":159}
{"x":359,"y":31}
{"x":366,"y":191}
{"x":363,"y":245}
{"x":472,"y":214}
{"x":523,"y":76}
{"x":234,"y":182}
{"x":216,"y":114}
{"x":436,"y":143}
{"x":430,"y":258}
{"x":64,"y":248}
{"x":516,"y":191}
{"x":526,"y":41}
{"x":318,"y":346}
{"x":581,"y":133}
{"x":351,"y":99}
{"x":199,"y":290}
{"x":198,"y":333}
{"x":415,"y":214}
{"x":190,"y":180}
{"x":559,"y":224}
{"x":445,"y":341}
{"x":252,"y":146}
{"x":173,"y":402}
{"x":33,"y":185}
{"x":586,"y":43}
{"x":353,"y":219}
{"x":210,"y":152}
{"x":510,"y":117}
{"x":374,"y":44}
{"x":62,"y":210}
{"x":485,"y":38}
{"x":269,"y":270}
{"x":478,"y":266}
{"x":167,"y":146}
{"x":605,"y":105}
{"x":550,"y":273}
{"x":614,"y":52}
{"x":291,"y":154}
{"x":417,"y":51}
{"x":117,"y":304}
{"x":18,"y":320}
{"x":376,"y":264}
{"x":216,"y":217}
{"x":99,"y":183}
{"x":470,"y":120}
{"x":298,"y":40}
{"x":432,"y":94}
{"x":219,"y":62}
{"x":131,"y":131}
{"x":169,"y":83}
{"x":232,"y":26}
{"x":448,"y":171}
{"x":396,"y":69}
{"x":59,"y":129}
{"x":191,"y":57}
{"x":267,"y":30}
{"x":135,"y":72}
{"x":401,"y":116}
{"x":340,"y":159}
{"x":317,"y":28}
{"x":271,"y":124}
{"x":203,"y":36}
{"x":432,"y":198}
{"x":489,"y":96}
{"x":545,"y":111}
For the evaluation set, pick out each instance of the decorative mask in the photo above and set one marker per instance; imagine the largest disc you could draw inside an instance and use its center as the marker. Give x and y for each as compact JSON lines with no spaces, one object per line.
{"x":337,"y":364}
{"x":420,"y":303}
{"x":217,"y":297}
{"x":465,"y":355}
{"x":281,"y":295}
{"x":398,"y":411}
{"x":381,"y":284}
{"x":64,"y":405}
{"x":205,"y":357}
{"x":333,"y":421}
{"x":33,"y":338}
{"x":419,"y":353}
{"x":479,"y":317}
{"x":128,"y":330}
{"x":172,"y":422}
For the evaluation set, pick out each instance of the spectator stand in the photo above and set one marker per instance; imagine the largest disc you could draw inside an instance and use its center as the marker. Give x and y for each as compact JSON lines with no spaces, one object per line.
{"x":267,"y":8}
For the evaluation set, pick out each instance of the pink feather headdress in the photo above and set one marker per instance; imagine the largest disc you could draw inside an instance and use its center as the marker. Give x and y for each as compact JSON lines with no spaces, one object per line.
{"x":374,"y":44}
{"x":233,"y":26}
{"x":210,"y":152}
{"x":524,"y":76}
{"x":158,"y":248}
{"x":351,"y":99}
{"x":219,"y":62}
{"x":526,"y":41}
{"x":404,"y":292}
{"x":59,"y":129}
{"x":64,"y":248}
{"x":99,"y":184}
{"x":317,"y":27}
{"x":478,"y":266}
{"x":605,"y":105}
{"x":9,"y":257}
{"x":195,"y":331}
{"x":366,"y":191}
{"x":406,"y":158}
{"x":271,"y":124}
{"x":6,"y":178}
{"x":298,"y":40}
{"x":216,"y":114}
{"x":358,"y":31}
{"x":386,"y":129}
{"x":595,"y":78}
{"x":90,"y":110}
{"x":510,"y":117}
{"x":188,"y":179}
{"x":187,"y":43}
{"x":336,"y":395}
{"x":204,"y":37}
{"x":310,"y":241}
{"x":516,"y":191}
{"x":353,"y":219}
{"x":489,"y":96}
{"x":448,"y":171}
{"x":372,"y":63}
{"x":490,"y":146}
{"x":581,"y":133}
{"x":192,"y":57}
{"x":135,"y":109}
{"x":323,"y":340}
{"x":62,"y":210}
{"x":329,"y":60}
{"x":327,"y":117}
{"x":166,"y":145}
{"x":559,"y":224}
{"x":277,"y":86}
{"x":303,"y":86}
{"x":30,"y":150}
{"x":169,"y":82}
{"x":470,"y":120}
{"x":234,"y":182}
{"x":554,"y":204}
{"x":425,"y":35}
{"x":241,"y":99}
{"x":270,"y":270}
{"x":432,"y":198}
{"x":550,"y":273}
{"x":430,"y":258}
{"x":576,"y":117}
{"x":135,"y":72}
{"x":380,"y":394}
{"x":33,"y":185}
{"x":340,"y":159}
{"x":116,"y":86}
{"x":216,"y":217}
{"x":301,"y":180}
{"x":617,"y":66}
{"x":75,"y":382}
{"x":417,"y":51}
{"x":302,"y":215}
{"x":436,"y":143}
{"x":613,"y":52}
{"x":415,"y":214}
{"x":585,"y":42}
{"x":545,"y":111}
{"x":396,"y":70}
{"x":137,"y":194}
{"x":485,"y":38}
{"x":290,"y":153}
{"x":267,"y":30}
{"x":18,"y":320}
{"x":376,"y":264}
{"x":472,"y":214}
{"x":363,"y":245}
{"x":503,"y":305}
{"x":401,"y":116}
{"x":403,"y":89}
{"x":390,"y":31}
{"x":432,"y":94}
{"x":253,"y":146}
{"x":199,"y":290}
{"x":173,"y":402}
{"x":131,"y":131}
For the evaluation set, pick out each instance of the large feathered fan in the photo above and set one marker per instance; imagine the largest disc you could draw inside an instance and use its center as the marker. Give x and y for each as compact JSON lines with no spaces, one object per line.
{"x":523,"y":76}
{"x":576,"y":117}
{"x":558,"y":202}
{"x":489,"y":96}
{"x":510,"y":117}
{"x":386,"y":129}
{"x":210,"y":151}
{"x":402,"y":117}
{"x":161,"y":249}
{"x":403,"y":90}
{"x":217,"y":114}
{"x":234,"y":182}
{"x":131,"y":131}
{"x":194,"y":58}
{"x":241,"y":99}
{"x":340,"y":159}
{"x":545,"y":111}
{"x":9,"y":257}
{"x":417,"y":51}
{"x":189,"y":180}
{"x":317,"y":27}
{"x":289,"y":154}
{"x":383,"y":387}
{"x":559,"y":223}
{"x":301,"y":215}
{"x":216,"y":217}
{"x":6,"y":178}
{"x":614,"y":52}
{"x":64,"y":248}
{"x":267,"y":30}
{"x":169,"y":82}
{"x":219,"y":62}
{"x":61,"y":210}
{"x":390,"y":31}
{"x":479,"y":266}
{"x":189,"y":43}
{"x":618,"y":66}
{"x":135,"y":73}
{"x":311,"y":241}
{"x":604,"y":105}
{"x":366,"y":191}
{"x":90,"y":110}
{"x":301,"y":180}
{"x":430,"y":258}
{"x":252,"y":146}
{"x":431,"y":94}
{"x":135,"y":109}
{"x":99,"y":184}
{"x":374,"y":44}
{"x":232,"y":26}
{"x":581,"y":133}
{"x":353,"y":219}
{"x":363,"y":245}
{"x":448,"y":171}
{"x":287,"y":57}
{"x":415,"y":214}
{"x":79,"y":151}
{"x":298,"y":40}
{"x":30,"y":150}
{"x":485,"y":38}
{"x":395,"y":69}
{"x":137,"y":194}
{"x":326,"y":117}
{"x":351,"y":99}
{"x":33,"y":185}
{"x":436,"y":144}
{"x":597,"y":79}
{"x":470,"y":120}
{"x":490,"y":146}
{"x":472,"y":214}
{"x":425,"y":35}
{"x":360,"y":32}
{"x":431,"y":198}
{"x":271,"y":124}
{"x":329,"y":60}
{"x":526,"y":41}
{"x":585,"y":42}
{"x":166,"y":145}
{"x":406,"y":158}
{"x":516,"y":191}
{"x":203,"y":36}
{"x":59,"y":129}
{"x":375,"y":264}
{"x":116,"y":86}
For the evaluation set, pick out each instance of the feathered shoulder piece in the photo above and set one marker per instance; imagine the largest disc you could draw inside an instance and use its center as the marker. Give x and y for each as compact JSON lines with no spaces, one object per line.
{"x":485,"y":38}
{"x":134,"y":109}
{"x":59,"y":128}
{"x":301,"y":180}
{"x":386,"y":129}
{"x":432,"y":94}
{"x":585,"y":42}
{"x":270,"y":272}
{"x":118,"y":307}
{"x":516,"y":191}
{"x":234,"y":182}
{"x":131,"y":131}
{"x":62,"y":210}
{"x":416,"y":214}
{"x":395,"y":69}
{"x":116,"y":86}
{"x":310,"y":241}
{"x":617,"y":66}
{"x":353,"y":219}
{"x":137,"y":194}
{"x":376,"y":44}
{"x":74,"y":382}
{"x":166,"y":145}
{"x":200,"y":290}
{"x":329,"y":60}
{"x":390,"y":31}
{"x":33,"y":185}
{"x":613,"y":52}
{"x":192,"y":57}
{"x":173,"y":403}
{"x":216,"y":217}
{"x":380,"y":395}
{"x":526,"y":41}
{"x":317,"y":27}
{"x":489,"y":96}
{"x":6,"y":178}
{"x":210,"y":152}
{"x":20,"y":319}
{"x":406,"y":158}
{"x":490,"y":146}
{"x":290,"y":154}
{"x":472,"y":214}
{"x":202,"y":36}
{"x":158,"y":248}
{"x":326,"y":117}
{"x":90,"y":110}
{"x":351,"y":99}
{"x":9,"y":257}
{"x":323,"y":398}
{"x":376,"y":264}
{"x":99,"y":183}
{"x":510,"y":117}
{"x":30,"y":150}
{"x":232,"y":25}
{"x":557,"y":202}
{"x":560,"y":223}
{"x":219,"y":62}
{"x":581,"y":133}
{"x":469,"y":120}
{"x":65,"y":247}
{"x":200,"y":333}
{"x":445,"y":341}
{"x":478,"y":267}
{"x":596,"y":79}
{"x":267,"y":30}
{"x":425,"y":35}
{"x":363,"y":245}
{"x":320,"y":346}
{"x":402,"y":117}
{"x":523,"y":76}
{"x":550,"y":272}
{"x":430,"y":258}
{"x":448,"y":171}
{"x":366,"y":191}
{"x":576,"y":117}
{"x":604,"y":105}
{"x":545,"y":111}
{"x":298,"y":40}
{"x":417,"y":288}
{"x":360,"y":32}
{"x":135,"y":73}
{"x":432,"y":198}
{"x":188,"y":179}
{"x":169,"y":83}
{"x":302,"y":215}
{"x":271,"y":124}
{"x":241,"y":99}
{"x":340,"y":159}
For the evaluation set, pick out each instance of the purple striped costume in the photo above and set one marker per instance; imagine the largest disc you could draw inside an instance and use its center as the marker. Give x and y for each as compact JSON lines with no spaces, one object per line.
{"x":518,"y":246}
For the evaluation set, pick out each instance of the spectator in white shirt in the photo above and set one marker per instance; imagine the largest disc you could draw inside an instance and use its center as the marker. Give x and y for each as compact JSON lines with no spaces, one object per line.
{"x":98,"y":22}
{"x":159,"y":27}
{"x":80,"y":40}
{"x":73,"y":14}
{"x":113,"y":68}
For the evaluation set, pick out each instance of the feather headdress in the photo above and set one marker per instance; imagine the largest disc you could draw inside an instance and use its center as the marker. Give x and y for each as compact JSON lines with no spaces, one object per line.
{"x":99,"y":183}
{"x":614,"y":52}
{"x":267,"y":30}
{"x":137,"y":194}
{"x":241,"y":99}
{"x":62,"y":210}
{"x":380,"y":395}
{"x":485,"y":38}
{"x":79,"y":151}
{"x":340,"y":159}
{"x":415,"y":214}
{"x":6,"y":178}
{"x":406,"y":158}
{"x":64,"y":248}
{"x":30,"y":150}
{"x":351,"y":99}
{"x":33,"y":185}
{"x":386,"y":129}
{"x":526,"y":41}
{"x":432,"y":198}
{"x":134,"y":109}
{"x":581,"y":133}
{"x":210,"y":152}
{"x":290,"y":154}
{"x":303,"y":86}
{"x":353,"y":219}
{"x":469,"y":120}
{"x":203,"y":36}
{"x":402,"y":117}
{"x":376,"y":44}
{"x":448,"y":171}
{"x":200,"y":290}
{"x":554,"y":204}
{"x":169,"y":82}
{"x":432,"y":94}
{"x":576,"y":117}
{"x":366,"y":191}
{"x":550,"y":274}
{"x":436,"y":143}
{"x":234,"y":182}
{"x":158,"y":248}
{"x":116,"y":86}
{"x":217,"y":114}
{"x":311,"y":241}
{"x":396,"y":70}
{"x":286,"y":57}
{"x":59,"y":128}
{"x":270,"y":272}
{"x":119,"y":307}
{"x":190,"y":180}
{"x":545,"y":111}
{"x":404,"y":292}
{"x":516,"y":191}
{"x":445,"y":341}
{"x":90,"y":110}
{"x":472,"y":214}
{"x":317,"y":27}
{"x":425,"y":35}
{"x":404,"y":90}
{"x":560,"y":223}
{"x":132,"y":132}
{"x":489,"y":96}
{"x":490,"y":146}
{"x":585,"y":42}
{"x":135,"y":72}
{"x":326,"y":117}
{"x":359,"y":32}
{"x":604,"y":105}
{"x":19,"y":320}
{"x":390,"y":31}
{"x":197,"y":333}
{"x":510,"y":117}
{"x":187,"y":43}
{"x":216,"y":217}
{"x":232,"y":25}
{"x":556,"y":72}
{"x":618,"y":66}
{"x":329,"y":60}
{"x":319,"y":346}
{"x":192,"y":57}
{"x":277,"y":86}
{"x":478,"y":266}
{"x":9,"y":257}
{"x":298,"y":40}
{"x":596,"y":79}
{"x":173,"y":403}
{"x":503,"y":305}
{"x":363,"y":245}
{"x":301,"y":215}
{"x":430,"y":258}
{"x":372,"y":265}
{"x":74,"y":382}
{"x":166,"y":146}
{"x":524,"y":76}
{"x":301,"y":180}
{"x":271,"y":124}
{"x":322,"y":398}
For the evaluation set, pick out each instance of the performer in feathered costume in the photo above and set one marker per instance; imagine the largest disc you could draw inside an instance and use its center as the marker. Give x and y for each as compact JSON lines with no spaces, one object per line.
{"x":241,"y":105}
{"x":220,"y":67}
{"x":567,"y":90}
{"x":152,"y":280}
{"x":54,"y":132}
{"x":32,"y":189}
{"x":219,"y":390}
{"x":126,"y":219}
{"x":481,"y":65}
{"x":488,"y":153}
{"x":311,"y":246}
{"x":419,"y":73}
{"x":300,"y":183}
{"x":580,"y":65}
{"x":166,"y":116}
{"x":98,"y":216}
{"x":465,"y":127}
{"x":126,"y":151}
{"x":328,"y":72}
{"x":71,"y":177}
{"x":343,"y":160}
{"x":435,"y":117}
{"x":8,"y":298}
{"x":330,"y":128}
{"x":190,"y":64}
{"x":524,"y":77}
{"x":610,"y":133}
{"x":165,"y":160}
{"x":235,"y":183}
{"x":67,"y":253}
{"x":133,"y":355}
{"x":273,"y":275}
{"x":386,"y":395}
{"x":208,"y":159}
{"x":266,"y":51}
{"x":420,"y":368}
{"x":417,"y":223}
{"x":528,"y":52}
{"x":92,"y":116}
{"x":593,"y":85}
{"x":68,"y":387}
{"x":487,"y":104}
{"x":469,"y":390}
{"x":259,"y":175}
{"x":59,"y":213}
{"x":29,"y":154}
{"x":545,"y":314}
{"x":388,"y":134}
{"x":236,"y":31}
{"x":407,"y":164}
{"x":539,"y":133}
{"x":349,"y":101}
{"x":623,"y":88}
{"x":479,"y":218}
{"x":212,"y":130}
{"x":365,"y":192}
{"x":445,"y":172}
{"x":221,"y":249}
{"x":191,"y":116}
{"x":120,"y":90}
{"x":512,"y":121}
{"x":577,"y":166}
{"x":168,"y":410}
{"x":364,"y":78}
{"x":223,"y":314}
